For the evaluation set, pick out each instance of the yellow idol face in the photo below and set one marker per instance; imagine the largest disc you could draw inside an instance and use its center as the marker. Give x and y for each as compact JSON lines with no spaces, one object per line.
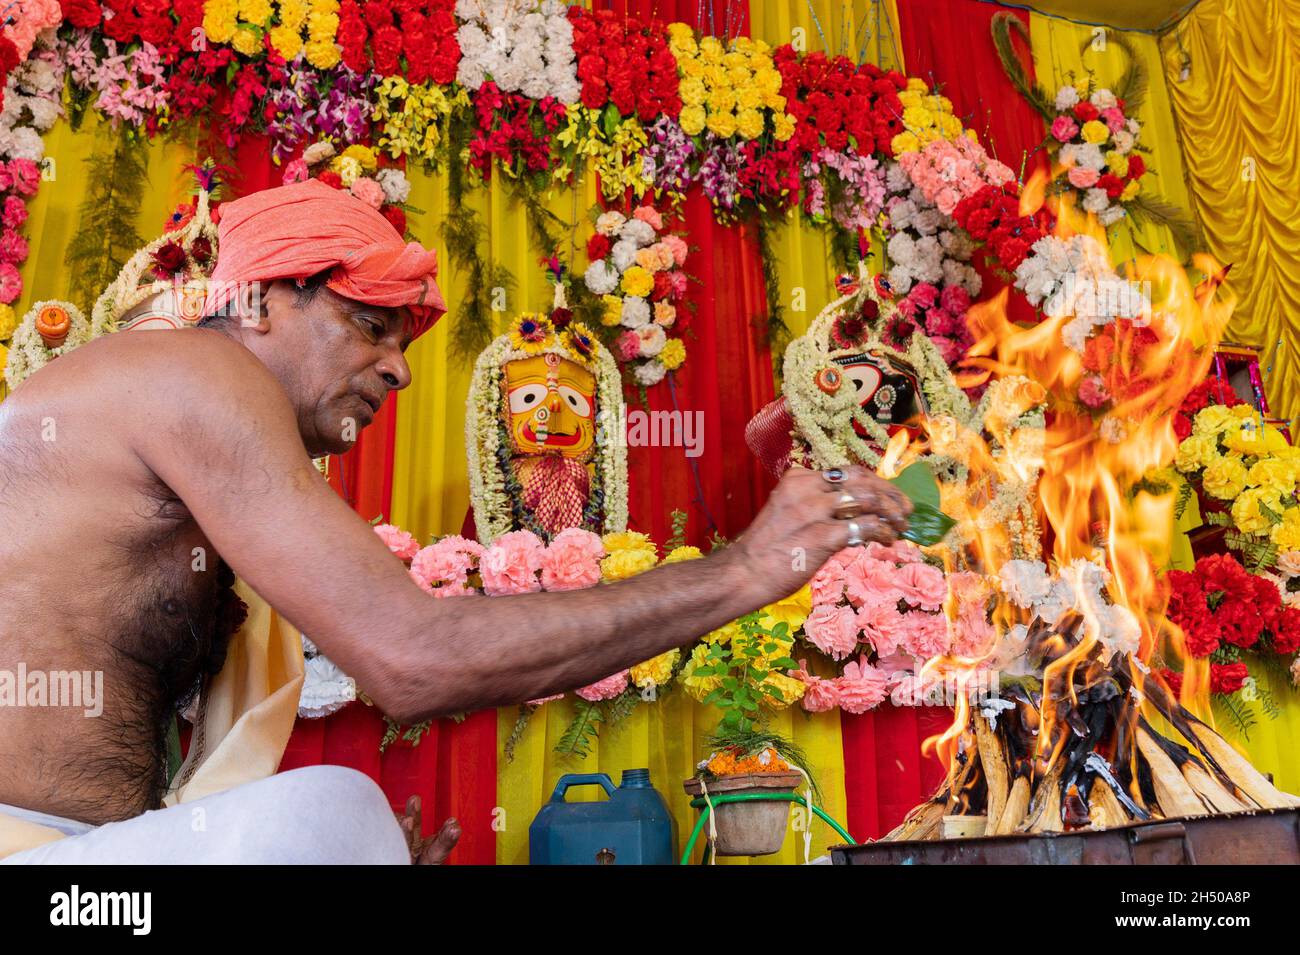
{"x":552,"y":405}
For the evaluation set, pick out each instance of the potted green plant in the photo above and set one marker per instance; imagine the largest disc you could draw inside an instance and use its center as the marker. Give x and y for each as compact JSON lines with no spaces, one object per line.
{"x":747,"y":668}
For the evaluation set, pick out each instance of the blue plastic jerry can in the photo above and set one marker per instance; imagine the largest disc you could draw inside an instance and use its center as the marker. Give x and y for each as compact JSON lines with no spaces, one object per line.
{"x":631,"y":827}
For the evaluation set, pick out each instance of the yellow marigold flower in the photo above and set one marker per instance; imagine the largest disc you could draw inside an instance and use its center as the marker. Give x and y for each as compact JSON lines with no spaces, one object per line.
{"x":711,"y":50}
{"x":219,"y":19}
{"x":792,"y":610}
{"x":362,"y":154}
{"x":715,"y":77}
{"x":613,"y":314}
{"x":722,"y":100}
{"x":4,"y":355}
{"x":626,"y":540}
{"x":1117,"y":163}
{"x":726,"y":633}
{"x":673,"y":354}
{"x":1250,"y":439}
{"x":749,"y":123}
{"x":685,"y":551}
{"x":637,"y":281}
{"x":1275,"y":473}
{"x":917,"y":118}
{"x":323,"y":54}
{"x":789,"y":689}
{"x":623,"y":564}
{"x":722,"y":124}
{"x":255,"y":11}
{"x":740,"y":77}
{"x":8,"y":322}
{"x":1214,"y":419}
{"x":1287,"y":534}
{"x":656,"y":671}
{"x":1225,"y":478}
{"x":698,"y":687}
{"x":692,"y":91}
{"x":1131,"y":190}
{"x":749,"y":97}
{"x":775,"y":102}
{"x":690,"y":67}
{"x":736,"y":58}
{"x":1095,"y":131}
{"x":246,"y":42}
{"x":951,"y":126}
{"x":905,"y":143}
{"x":1246,"y":512}
{"x":287,"y":41}
{"x":692,"y":120}
{"x":782,"y":127}
{"x":680,"y":34}
{"x":1196,"y":451}
{"x":917,"y":84}
{"x":909,"y":97}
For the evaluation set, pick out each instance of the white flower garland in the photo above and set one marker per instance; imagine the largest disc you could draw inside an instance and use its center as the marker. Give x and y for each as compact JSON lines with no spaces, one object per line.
{"x":520,"y":45}
{"x":483,"y":410}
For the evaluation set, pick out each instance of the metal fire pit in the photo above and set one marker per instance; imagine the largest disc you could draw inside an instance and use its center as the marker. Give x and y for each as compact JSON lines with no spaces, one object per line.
{"x":1263,"y":837}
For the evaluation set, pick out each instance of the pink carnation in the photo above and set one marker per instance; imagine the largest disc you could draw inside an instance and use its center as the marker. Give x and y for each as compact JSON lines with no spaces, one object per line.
{"x":572,"y":561}
{"x":13,"y":247}
{"x":398,"y":541}
{"x":511,"y":564}
{"x":1064,"y":128}
{"x":1114,"y":119}
{"x":628,"y":345}
{"x":861,"y":687}
{"x":15,"y":212}
{"x":973,"y":634}
{"x":605,"y":689}
{"x":832,"y":630}
{"x":26,"y":175}
{"x":1081,"y":177}
{"x":442,"y":567}
{"x":819,"y":694}
{"x":921,"y":585}
{"x":882,"y":624}
{"x":677,"y":245}
{"x":869,"y":580}
{"x":651,"y":215}
{"x":295,"y":171}
{"x":369,"y":192}
{"x":827,"y":585}
{"x":924,"y":635}
{"x":11,"y":283}
{"x":1092,"y":392}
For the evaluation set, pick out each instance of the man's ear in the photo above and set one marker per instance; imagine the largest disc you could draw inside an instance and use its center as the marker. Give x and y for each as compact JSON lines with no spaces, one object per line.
{"x":250,"y":304}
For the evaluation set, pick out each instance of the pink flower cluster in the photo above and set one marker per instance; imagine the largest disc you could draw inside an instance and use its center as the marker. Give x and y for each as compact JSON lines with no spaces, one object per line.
{"x":942,"y":316}
{"x":888,"y":602}
{"x":18,"y":180}
{"x":515,"y":563}
{"x":948,"y":172}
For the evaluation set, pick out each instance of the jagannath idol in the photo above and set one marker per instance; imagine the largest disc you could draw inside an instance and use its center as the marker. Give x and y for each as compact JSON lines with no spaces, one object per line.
{"x":853,"y":381}
{"x":544,"y":450}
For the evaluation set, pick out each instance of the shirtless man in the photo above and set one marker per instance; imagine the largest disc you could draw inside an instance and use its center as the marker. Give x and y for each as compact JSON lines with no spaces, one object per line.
{"x":122,"y":460}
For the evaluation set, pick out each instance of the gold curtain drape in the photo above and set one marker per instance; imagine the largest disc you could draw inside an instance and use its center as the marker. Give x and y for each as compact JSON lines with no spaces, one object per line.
{"x":1233,"y":70}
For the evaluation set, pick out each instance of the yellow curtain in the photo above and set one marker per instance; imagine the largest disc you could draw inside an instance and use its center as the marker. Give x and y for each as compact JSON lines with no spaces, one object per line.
{"x":1233,"y":71}
{"x":1064,"y":53}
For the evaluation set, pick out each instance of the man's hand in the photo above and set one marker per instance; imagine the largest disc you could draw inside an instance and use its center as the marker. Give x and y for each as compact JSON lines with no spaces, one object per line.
{"x":432,"y":851}
{"x":796,"y":531}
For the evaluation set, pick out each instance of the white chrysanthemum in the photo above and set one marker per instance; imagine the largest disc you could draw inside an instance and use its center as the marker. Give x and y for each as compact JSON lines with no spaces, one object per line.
{"x":927,"y":221}
{"x":1094,"y":200}
{"x":636,"y":312}
{"x":470,"y":74}
{"x":653,"y":338}
{"x":397,"y":188}
{"x":1089,"y":155}
{"x":1111,"y":215}
{"x":1066,"y":97}
{"x":639,"y":231}
{"x":45,"y":112}
{"x":608,"y":223}
{"x":27,"y":144}
{"x":600,"y":278}
{"x":900,"y":279}
{"x":1103,"y":99}
{"x":649,"y":373}
{"x":623,"y":254}
{"x":896,"y":177}
{"x":1025,"y":582}
{"x":1124,"y":141}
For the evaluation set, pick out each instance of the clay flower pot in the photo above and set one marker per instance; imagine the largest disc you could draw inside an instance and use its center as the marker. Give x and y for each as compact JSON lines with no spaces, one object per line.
{"x":755,"y":828}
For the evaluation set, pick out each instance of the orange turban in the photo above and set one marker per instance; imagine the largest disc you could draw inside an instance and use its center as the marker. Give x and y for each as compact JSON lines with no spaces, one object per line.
{"x":300,"y":230}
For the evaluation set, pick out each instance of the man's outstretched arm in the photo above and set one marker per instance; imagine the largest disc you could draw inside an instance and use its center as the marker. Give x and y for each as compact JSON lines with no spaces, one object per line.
{"x":238,"y":463}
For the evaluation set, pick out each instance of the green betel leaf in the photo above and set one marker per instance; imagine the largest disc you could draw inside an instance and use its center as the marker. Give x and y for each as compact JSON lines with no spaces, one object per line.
{"x":928,"y":524}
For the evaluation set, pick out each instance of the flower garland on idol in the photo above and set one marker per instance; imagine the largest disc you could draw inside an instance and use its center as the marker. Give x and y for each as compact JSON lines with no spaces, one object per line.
{"x":636,"y":268}
{"x":494,"y":495}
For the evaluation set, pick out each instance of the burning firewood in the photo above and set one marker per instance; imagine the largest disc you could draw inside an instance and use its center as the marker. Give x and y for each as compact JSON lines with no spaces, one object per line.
{"x":1017,"y":805}
{"x":993,"y":761}
{"x":1175,"y":796}
{"x":1104,"y":809}
{"x":1248,"y":779}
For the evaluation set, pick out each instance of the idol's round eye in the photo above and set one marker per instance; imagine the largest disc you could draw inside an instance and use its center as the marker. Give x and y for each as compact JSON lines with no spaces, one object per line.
{"x":865,"y":380}
{"x":526,"y":398}
{"x":576,"y":400}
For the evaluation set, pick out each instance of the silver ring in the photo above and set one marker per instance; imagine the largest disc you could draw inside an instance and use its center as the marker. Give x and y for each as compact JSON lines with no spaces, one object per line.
{"x":846,"y":507}
{"x":855,"y":534}
{"x":833,"y":475}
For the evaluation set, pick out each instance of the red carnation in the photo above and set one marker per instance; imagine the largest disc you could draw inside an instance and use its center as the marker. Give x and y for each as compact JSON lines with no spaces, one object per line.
{"x":597,"y":247}
{"x":84,"y":14}
{"x":1175,"y":681}
{"x":1112,"y":183}
{"x":1286,"y":638}
{"x":396,"y":217}
{"x":331,"y":178}
{"x":1227,"y":677}
{"x":1136,"y":167}
{"x":1085,"y":112}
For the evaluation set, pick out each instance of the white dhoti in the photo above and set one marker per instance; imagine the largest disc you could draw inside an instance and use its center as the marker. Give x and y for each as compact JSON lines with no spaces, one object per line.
{"x":317,"y":815}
